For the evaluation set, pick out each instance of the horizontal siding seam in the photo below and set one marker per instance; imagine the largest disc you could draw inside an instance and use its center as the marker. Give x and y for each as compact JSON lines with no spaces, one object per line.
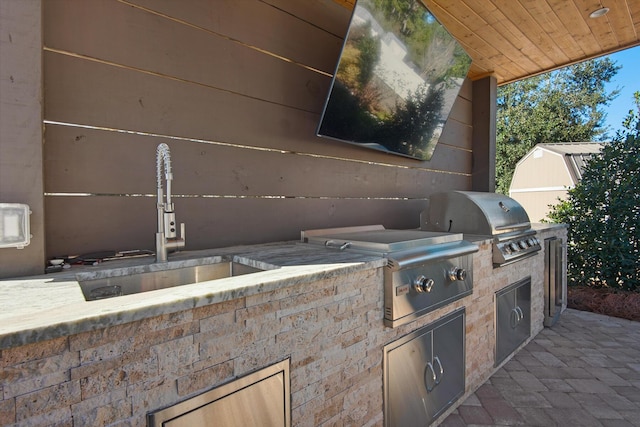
{"x":231,"y":39}
{"x":232,"y":196}
{"x":165,"y":76}
{"x":249,"y":147}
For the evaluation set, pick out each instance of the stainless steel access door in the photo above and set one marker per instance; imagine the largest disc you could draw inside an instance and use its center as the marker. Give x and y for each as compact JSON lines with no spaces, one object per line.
{"x":260,"y":399}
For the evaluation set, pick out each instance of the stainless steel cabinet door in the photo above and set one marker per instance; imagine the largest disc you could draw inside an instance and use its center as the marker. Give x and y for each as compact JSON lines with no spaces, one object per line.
{"x":513,"y":318}
{"x":405,"y":390}
{"x":448,"y":365}
{"x":424,"y":372}
{"x":523,"y":304}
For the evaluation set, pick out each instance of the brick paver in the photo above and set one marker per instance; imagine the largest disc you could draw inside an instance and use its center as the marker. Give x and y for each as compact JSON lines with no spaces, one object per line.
{"x":584,"y":371}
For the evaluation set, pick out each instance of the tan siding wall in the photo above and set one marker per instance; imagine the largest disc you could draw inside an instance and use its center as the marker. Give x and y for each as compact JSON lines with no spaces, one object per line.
{"x":538,"y":182}
{"x":236,"y":89}
{"x":548,"y":170}
{"x":537,"y":203}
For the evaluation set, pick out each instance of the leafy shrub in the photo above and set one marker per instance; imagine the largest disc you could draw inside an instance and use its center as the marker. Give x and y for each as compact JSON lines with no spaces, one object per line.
{"x":603,"y":214}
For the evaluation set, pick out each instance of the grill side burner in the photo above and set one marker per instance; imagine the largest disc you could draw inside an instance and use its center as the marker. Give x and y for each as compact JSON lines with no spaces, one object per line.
{"x":484,"y":214}
{"x":412,"y":289}
{"x":425,"y":270}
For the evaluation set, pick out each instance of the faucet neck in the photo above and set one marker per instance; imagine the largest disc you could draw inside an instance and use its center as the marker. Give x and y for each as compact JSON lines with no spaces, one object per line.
{"x":166,"y":236}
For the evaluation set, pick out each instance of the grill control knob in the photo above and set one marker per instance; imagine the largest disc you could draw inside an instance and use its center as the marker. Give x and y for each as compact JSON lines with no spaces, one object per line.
{"x":422,"y":284}
{"x":457,"y":273}
{"x":514,"y":247}
{"x":522,"y":244}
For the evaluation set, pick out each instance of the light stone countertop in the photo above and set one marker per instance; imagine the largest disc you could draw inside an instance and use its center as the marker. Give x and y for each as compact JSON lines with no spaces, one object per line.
{"x":49,"y":306}
{"x":547,"y":226}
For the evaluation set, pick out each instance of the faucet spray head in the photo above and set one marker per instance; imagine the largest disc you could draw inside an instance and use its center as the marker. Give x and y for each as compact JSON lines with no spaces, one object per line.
{"x":163,"y":158}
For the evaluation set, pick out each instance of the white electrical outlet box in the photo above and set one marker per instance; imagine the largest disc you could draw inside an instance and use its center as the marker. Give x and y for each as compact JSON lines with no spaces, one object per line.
{"x":14,"y":225}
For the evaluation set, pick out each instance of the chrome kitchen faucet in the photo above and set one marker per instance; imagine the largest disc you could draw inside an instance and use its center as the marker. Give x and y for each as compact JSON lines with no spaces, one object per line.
{"x":166,"y":236}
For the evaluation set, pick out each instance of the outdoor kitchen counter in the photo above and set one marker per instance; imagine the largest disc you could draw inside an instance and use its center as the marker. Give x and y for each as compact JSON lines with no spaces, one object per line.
{"x":114,"y":361}
{"x":49,"y":306}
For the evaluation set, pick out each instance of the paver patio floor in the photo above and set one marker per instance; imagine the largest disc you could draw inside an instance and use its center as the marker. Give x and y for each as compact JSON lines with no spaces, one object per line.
{"x":583,"y":371}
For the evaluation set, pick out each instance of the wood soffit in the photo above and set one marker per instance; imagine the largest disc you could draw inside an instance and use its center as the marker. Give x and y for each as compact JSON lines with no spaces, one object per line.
{"x":515,"y":39}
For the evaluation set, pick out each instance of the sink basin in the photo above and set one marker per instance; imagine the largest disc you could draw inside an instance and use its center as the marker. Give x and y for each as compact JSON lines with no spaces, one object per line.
{"x":108,"y":287}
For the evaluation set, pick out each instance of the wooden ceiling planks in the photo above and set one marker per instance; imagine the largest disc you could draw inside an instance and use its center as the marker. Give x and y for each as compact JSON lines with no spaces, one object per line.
{"x":544,"y":46}
{"x":600,"y":28}
{"x":569,"y":14}
{"x":548,"y":20}
{"x":634,"y":10}
{"x":514,"y":39}
{"x":620,"y":20}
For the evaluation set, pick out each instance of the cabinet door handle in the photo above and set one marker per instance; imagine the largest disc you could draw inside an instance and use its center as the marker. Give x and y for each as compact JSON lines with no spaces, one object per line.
{"x":521,"y":313}
{"x":440,"y":370}
{"x":514,"y":318}
{"x":430,"y":378}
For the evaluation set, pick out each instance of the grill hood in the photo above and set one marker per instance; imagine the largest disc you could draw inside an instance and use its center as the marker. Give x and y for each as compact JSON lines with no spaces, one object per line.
{"x":474,"y":212}
{"x":484,"y":214}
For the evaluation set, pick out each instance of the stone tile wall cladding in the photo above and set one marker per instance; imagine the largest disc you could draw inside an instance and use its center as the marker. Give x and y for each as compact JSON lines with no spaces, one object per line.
{"x":331,"y":330}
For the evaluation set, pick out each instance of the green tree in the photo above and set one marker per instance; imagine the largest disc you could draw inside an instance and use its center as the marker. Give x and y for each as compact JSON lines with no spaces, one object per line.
{"x":603,"y":214}
{"x":358,"y":60}
{"x":410,"y":129}
{"x":405,"y":14}
{"x":562,"y":106}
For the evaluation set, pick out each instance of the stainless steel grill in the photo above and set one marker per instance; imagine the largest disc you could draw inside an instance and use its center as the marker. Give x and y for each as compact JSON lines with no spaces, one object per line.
{"x":425,"y":270}
{"x":484,"y":214}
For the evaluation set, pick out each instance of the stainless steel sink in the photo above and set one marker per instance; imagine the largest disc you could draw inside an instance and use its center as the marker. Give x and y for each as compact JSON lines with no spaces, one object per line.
{"x":114,"y":286}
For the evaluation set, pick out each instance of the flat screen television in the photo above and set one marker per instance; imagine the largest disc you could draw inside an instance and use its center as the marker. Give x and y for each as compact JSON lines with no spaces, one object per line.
{"x":396,"y":80}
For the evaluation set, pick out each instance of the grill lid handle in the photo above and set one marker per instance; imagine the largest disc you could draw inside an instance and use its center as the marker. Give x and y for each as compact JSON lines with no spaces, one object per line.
{"x":338,"y":245}
{"x":509,"y":226}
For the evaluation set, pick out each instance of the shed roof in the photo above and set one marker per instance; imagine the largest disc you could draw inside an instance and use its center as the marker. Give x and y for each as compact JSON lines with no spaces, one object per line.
{"x":576,"y":154}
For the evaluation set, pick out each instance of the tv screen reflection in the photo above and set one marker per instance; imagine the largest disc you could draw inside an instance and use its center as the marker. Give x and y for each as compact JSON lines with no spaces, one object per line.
{"x":397,"y":78}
